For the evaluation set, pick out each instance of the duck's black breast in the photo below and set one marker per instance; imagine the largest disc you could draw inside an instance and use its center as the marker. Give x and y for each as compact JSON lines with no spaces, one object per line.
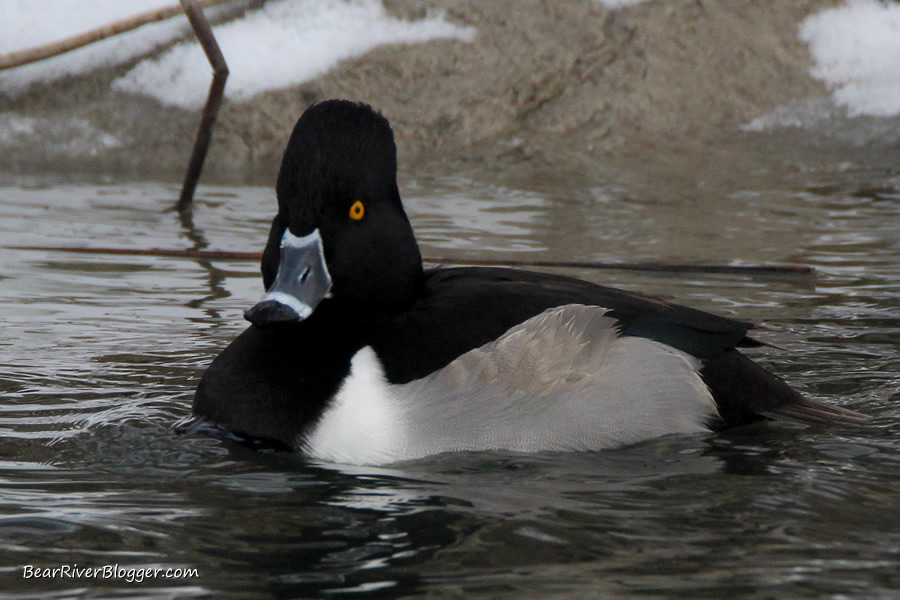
{"x":464,"y":308}
{"x":270,"y":383}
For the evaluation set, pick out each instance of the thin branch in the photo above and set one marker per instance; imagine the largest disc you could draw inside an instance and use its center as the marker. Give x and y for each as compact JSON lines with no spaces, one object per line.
{"x":38,"y":53}
{"x":213,"y":100}
{"x":798,"y":271}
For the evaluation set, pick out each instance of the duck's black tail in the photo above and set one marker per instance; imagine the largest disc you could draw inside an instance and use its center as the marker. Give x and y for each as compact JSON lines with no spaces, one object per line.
{"x":745,"y":392}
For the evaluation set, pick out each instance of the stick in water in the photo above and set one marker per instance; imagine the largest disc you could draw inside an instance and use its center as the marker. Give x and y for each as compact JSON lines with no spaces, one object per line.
{"x":213,"y":100}
{"x":800,"y":271}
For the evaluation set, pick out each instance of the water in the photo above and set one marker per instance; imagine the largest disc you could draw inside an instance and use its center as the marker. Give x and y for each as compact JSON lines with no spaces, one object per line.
{"x":99,"y":355}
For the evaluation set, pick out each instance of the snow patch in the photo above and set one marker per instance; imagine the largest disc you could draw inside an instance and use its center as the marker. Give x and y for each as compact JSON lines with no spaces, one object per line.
{"x":280,"y":45}
{"x":856,"y":50}
{"x":72,"y":136}
{"x":24,"y":25}
{"x":806,"y":114}
{"x":617,"y":4}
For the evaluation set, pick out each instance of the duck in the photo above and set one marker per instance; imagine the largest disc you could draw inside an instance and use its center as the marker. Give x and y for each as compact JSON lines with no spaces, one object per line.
{"x":357,"y":354}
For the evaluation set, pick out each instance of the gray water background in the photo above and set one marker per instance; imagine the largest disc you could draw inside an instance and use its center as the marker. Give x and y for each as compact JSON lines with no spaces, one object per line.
{"x":99,"y":356}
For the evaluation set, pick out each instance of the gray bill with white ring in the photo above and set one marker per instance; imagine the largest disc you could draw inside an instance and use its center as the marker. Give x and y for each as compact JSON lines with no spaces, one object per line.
{"x":301,"y":283}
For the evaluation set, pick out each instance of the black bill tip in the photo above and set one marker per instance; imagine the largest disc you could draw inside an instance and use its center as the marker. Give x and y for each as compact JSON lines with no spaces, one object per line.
{"x":271,"y":312}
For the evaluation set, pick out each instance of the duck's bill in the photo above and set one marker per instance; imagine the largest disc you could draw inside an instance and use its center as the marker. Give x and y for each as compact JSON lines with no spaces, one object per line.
{"x":301,"y":283}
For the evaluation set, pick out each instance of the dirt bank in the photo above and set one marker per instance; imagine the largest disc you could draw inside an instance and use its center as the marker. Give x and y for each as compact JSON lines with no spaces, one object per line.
{"x":567,"y":84}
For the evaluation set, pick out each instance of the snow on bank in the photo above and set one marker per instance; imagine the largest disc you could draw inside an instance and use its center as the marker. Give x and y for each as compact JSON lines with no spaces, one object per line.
{"x":617,"y":4}
{"x":72,"y":136}
{"x":856,"y":49}
{"x":28,"y":23}
{"x":282,"y":44}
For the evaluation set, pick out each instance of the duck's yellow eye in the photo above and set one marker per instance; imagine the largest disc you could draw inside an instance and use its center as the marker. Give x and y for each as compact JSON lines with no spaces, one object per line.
{"x":357,"y":210}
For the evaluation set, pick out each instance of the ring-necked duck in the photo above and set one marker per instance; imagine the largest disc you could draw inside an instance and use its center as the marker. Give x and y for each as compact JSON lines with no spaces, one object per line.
{"x":358,"y":355}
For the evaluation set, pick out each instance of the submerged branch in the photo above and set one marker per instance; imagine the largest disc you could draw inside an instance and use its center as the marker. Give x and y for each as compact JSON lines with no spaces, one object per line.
{"x":798,"y":271}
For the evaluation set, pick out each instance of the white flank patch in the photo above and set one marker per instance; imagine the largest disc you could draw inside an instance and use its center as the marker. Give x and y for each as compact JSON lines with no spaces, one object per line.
{"x":282,"y":44}
{"x":856,"y":50}
{"x":363,"y":424}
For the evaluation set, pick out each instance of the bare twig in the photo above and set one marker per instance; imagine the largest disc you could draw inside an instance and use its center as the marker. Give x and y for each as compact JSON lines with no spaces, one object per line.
{"x":213,"y":100}
{"x":31,"y":55}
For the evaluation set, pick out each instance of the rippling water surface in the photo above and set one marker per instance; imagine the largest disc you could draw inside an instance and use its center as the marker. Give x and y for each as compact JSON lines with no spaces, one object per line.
{"x":99,"y":355}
